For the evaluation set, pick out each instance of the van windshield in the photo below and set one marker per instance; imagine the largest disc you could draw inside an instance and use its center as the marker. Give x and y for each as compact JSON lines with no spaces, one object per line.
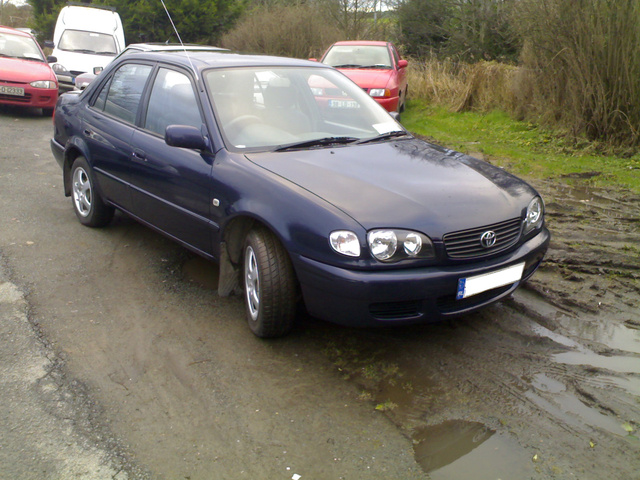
{"x":87,"y":42}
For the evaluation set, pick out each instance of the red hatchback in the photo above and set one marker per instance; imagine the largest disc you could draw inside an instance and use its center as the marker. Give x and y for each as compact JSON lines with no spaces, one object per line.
{"x":26,"y":79}
{"x":374,"y":66}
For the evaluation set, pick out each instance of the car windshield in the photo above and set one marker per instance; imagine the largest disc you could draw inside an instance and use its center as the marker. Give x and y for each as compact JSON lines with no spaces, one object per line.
{"x":87,"y":42}
{"x":17,"y":46}
{"x":358,"y":56}
{"x":276,"y":108}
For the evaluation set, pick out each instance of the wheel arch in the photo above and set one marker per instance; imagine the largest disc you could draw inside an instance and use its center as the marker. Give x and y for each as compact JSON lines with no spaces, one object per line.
{"x":73,"y":150}
{"x":232,"y":240}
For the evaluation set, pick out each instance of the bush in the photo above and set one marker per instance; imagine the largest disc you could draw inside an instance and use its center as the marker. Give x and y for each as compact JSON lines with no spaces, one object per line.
{"x":482,"y":86}
{"x":582,"y":66}
{"x":290,"y":31}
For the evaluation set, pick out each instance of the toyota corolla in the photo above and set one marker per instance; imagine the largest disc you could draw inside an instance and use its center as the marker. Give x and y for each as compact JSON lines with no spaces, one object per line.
{"x":302,"y":188}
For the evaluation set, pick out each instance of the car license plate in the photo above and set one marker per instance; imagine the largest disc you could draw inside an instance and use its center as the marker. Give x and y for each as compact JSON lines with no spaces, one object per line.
{"x":470,"y":286}
{"x":343,"y":104}
{"x":17,"y":91}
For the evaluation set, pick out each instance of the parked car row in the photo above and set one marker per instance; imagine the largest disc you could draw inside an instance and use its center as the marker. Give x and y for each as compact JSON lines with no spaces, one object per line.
{"x":302,"y":187}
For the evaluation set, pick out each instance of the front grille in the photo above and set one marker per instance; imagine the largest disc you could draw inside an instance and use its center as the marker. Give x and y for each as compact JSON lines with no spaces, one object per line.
{"x":26,"y":98}
{"x":466,"y":244}
{"x":395,"y":310}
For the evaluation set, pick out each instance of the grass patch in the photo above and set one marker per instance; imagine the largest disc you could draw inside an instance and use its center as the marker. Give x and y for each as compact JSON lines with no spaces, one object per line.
{"x":520,"y":147}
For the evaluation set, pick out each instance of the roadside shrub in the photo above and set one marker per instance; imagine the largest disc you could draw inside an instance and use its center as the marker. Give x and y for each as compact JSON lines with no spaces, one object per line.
{"x":582,"y":66}
{"x":481,"y":86}
{"x":290,"y":31}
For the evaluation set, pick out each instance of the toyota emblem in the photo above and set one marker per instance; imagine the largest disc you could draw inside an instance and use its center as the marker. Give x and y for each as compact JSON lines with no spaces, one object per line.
{"x":488,"y":239}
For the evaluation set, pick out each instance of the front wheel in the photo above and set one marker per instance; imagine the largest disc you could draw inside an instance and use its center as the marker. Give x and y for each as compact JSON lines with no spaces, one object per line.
{"x":89,"y":207}
{"x":269,"y":285}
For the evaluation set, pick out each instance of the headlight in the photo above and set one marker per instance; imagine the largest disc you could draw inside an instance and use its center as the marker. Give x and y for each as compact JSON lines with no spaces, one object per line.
{"x":345,"y":242}
{"x":380,"y":92}
{"x":395,"y":245}
{"x":535,"y":215}
{"x":383,"y":244}
{"x":44,"y":84}
{"x":59,"y":68}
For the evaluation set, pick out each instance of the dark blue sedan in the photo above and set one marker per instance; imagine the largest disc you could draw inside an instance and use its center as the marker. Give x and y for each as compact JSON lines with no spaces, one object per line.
{"x":299,"y":185}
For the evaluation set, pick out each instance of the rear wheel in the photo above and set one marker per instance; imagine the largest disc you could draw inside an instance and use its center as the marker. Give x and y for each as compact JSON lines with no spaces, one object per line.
{"x":269,"y":285}
{"x":89,"y":207}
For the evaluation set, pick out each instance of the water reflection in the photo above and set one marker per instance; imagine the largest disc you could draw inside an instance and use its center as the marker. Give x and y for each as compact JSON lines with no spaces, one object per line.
{"x":458,"y":449}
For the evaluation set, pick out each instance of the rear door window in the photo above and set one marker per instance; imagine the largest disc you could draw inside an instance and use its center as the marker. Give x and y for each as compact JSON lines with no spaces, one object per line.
{"x":121,"y":95}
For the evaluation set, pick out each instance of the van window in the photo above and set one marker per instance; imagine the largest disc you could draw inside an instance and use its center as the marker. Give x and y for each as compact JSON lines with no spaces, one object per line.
{"x":172,"y":102}
{"x":121,"y":95}
{"x":87,"y":42}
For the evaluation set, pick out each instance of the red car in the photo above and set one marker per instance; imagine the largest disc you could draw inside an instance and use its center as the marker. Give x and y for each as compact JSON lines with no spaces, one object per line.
{"x":26,"y":79}
{"x":374,"y":66}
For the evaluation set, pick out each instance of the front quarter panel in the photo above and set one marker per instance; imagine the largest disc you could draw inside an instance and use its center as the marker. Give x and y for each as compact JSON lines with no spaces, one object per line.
{"x":301,"y":220}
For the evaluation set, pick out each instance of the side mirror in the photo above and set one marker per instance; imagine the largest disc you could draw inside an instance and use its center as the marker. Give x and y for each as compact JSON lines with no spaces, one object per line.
{"x":97,"y":70}
{"x":185,"y":136}
{"x":49,"y":44}
{"x":402,"y":64}
{"x":395,"y":116}
{"x":52,"y":59}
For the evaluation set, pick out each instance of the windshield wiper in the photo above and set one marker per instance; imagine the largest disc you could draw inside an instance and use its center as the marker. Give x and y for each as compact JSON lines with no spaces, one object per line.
{"x":82,"y":50}
{"x":379,"y":65}
{"x":347,"y":65}
{"x":318,"y":142}
{"x":384,"y":136}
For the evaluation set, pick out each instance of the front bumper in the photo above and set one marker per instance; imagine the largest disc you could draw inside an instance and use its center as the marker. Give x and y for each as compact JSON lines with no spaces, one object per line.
{"x":33,"y":97}
{"x":390,"y":104}
{"x":66,"y":81}
{"x":395,"y":297}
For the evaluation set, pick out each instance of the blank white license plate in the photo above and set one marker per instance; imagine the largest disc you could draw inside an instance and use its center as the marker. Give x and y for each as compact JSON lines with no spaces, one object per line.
{"x":470,"y":286}
{"x":17,"y":91}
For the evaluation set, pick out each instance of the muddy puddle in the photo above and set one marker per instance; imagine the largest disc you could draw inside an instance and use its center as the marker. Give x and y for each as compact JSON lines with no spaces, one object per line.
{"x":543,"y":385}
{"x":457,"y":449}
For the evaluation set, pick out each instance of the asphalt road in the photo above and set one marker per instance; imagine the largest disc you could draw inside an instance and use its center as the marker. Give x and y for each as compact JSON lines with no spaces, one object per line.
{"x":138,"y":365}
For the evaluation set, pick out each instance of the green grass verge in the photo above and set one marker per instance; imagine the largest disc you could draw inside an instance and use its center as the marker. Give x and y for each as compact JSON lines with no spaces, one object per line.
{"x":520,"y":147}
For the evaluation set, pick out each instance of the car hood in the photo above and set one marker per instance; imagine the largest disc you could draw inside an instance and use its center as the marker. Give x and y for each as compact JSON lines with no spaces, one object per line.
{"x":24,"y":71}
{"x":81,"y":62}
{"x":368,"y":78}
{"x":404,"y":184}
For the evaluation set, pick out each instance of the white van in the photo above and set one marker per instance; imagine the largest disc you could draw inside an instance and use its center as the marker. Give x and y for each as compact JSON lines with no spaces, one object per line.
{"x":85,"y":38}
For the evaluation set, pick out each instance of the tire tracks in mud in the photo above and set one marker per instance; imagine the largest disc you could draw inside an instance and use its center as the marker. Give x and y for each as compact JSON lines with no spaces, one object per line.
{"x":555,"y":369}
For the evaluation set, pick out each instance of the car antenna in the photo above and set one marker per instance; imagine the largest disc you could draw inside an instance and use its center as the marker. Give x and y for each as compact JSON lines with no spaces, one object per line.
{"x":179,"y":39}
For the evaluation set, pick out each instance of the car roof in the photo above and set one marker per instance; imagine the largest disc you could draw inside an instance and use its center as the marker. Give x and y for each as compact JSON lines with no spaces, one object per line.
{"x":4,"y":29}
{"x":362,"y":42}
{"x":201,"y":60}
{"x":165,"y":47}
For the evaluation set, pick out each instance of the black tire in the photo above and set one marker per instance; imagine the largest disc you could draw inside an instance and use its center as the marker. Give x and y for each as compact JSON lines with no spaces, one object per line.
{"x":87,"y":203}
{"x":269,"y":285}
{"x":404,"y":100}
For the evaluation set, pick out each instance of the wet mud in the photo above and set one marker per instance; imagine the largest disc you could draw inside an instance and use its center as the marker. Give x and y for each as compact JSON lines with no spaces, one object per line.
{"x":543,"y":385}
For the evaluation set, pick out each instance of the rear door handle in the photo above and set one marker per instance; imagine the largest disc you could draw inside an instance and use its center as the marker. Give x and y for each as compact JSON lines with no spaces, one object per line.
{"x":138,"y":154}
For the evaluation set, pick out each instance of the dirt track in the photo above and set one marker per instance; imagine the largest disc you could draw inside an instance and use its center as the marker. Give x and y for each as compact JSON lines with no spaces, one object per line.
{"x":543,"y":385}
